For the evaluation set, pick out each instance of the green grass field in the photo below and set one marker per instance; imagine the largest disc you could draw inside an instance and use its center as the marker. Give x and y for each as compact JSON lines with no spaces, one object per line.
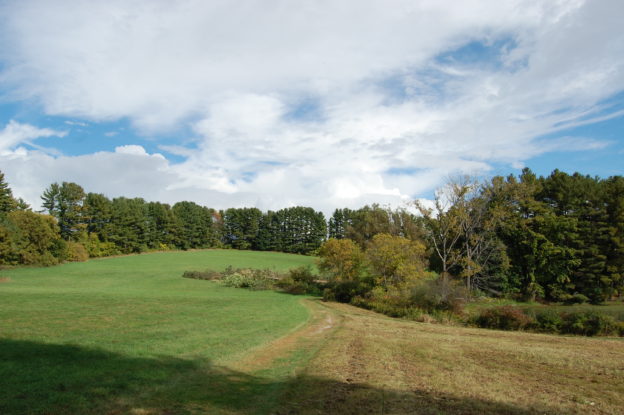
{"x":127,"y":334}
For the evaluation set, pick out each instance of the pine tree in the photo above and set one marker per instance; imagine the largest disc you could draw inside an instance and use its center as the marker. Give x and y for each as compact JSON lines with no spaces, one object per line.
{"x":7,"y":202}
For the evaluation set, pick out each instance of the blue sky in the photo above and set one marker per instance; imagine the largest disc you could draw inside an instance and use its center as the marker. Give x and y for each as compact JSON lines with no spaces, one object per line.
{"x":327,"y":105}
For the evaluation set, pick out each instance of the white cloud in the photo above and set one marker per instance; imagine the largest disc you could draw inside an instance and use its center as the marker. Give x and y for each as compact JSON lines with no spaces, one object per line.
{"x":131,"y":149}
{"x":325,"y":104}
{"x":15,"y":133}
{"x":77,"y":123}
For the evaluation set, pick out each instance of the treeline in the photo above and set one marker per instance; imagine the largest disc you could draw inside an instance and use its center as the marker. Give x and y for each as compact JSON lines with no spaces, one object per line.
{"x":78,"y":225}
{"x":557,"y":238}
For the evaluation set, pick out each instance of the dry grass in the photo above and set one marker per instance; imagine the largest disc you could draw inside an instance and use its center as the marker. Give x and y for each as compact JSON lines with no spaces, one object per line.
{"x":374,"y":364}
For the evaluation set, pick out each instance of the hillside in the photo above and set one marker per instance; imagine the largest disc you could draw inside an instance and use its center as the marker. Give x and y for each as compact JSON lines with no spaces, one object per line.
{"x":129,"y":335}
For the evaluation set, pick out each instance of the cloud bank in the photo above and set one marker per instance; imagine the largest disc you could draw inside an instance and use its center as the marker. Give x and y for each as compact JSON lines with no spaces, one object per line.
{"x":326,"y":104}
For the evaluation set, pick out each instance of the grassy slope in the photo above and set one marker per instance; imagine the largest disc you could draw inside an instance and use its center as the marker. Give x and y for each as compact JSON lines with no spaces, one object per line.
{"x":374,"y":364}
{"x":129,"y":332}
{"x":127,"y":335}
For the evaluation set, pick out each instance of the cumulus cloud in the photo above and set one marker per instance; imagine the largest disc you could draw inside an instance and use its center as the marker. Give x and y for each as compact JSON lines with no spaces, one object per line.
{"x":324,"y":104}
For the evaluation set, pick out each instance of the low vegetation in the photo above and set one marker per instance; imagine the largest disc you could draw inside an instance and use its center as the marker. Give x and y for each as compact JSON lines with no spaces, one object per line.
{"x":300,"y":280}
{"x":547,"y":320}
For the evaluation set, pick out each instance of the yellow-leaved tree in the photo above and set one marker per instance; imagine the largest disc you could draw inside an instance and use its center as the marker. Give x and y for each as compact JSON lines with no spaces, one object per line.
{"x":395,"y":260}
{"x":341,"y":259}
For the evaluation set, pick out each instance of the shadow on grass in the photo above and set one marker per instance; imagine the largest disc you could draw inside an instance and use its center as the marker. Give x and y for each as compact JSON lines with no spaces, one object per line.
{"x":37,"y":378}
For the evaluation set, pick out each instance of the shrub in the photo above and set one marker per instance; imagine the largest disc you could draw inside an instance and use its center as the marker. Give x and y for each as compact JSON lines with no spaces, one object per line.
{"x":504,"y":318}
{"x":202,"y":275}
{"x":589,"y":323}
{"x":302,"y":274}
{"x":290,"y":286}
{"x":576,"y":299}
{"x":391,"y":302}
{"x":328,"y":294}
{"x":76,"y":252}
{"x":97,"y":248}
{"x":548,"y":321}
{"x":384,"y":307}
{"x":239,"y":279}
{"x":439,"y":294}
{"x":300,"y":281}
{"x":256,"y":279}
{"x":345,"y":291}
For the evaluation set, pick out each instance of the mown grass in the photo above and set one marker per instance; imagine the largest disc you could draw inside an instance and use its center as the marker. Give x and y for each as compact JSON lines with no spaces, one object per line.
{"x":377,"y":365}
{"x":128,"y":334}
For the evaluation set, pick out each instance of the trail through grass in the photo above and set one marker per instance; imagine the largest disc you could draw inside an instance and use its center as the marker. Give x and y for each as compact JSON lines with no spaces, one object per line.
{"x":372,"y":364}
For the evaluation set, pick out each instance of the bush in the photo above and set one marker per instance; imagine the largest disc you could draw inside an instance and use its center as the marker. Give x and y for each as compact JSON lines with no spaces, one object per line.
{"x":345,"y":291}
{"x":76,"y":252}
{"x":290,"y":286}
{"x":302,"y":274}
{"x":256,"y":279}
{"x":384,"y":307}
{"x":576,"y":299}
{"x":504,"y":318}
{"x":548,"y":321}
{"x":590,"y":323}
{"x":202,"y":275}
{"x":300,"y":281}
{"x":439,"y":294}
{"x":97,"y":248}
{"x":391,"y":302}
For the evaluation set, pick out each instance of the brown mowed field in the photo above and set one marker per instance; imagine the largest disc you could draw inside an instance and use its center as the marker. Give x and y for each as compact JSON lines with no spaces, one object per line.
{"x":372,"y":364}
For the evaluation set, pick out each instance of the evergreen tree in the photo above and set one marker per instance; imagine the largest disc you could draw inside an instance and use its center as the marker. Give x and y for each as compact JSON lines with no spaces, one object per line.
{"x":614,"y":251}
{"x":7,"y":202}
{"x":339,"y":222}
{"x":96,"y":214}
{"x":302,"y":229}
{"x":65,"y":203}
{"x":241,"y":227}
{"x":269,"y":233}
{"x":194,"y":225}
{"x":128,"y":227}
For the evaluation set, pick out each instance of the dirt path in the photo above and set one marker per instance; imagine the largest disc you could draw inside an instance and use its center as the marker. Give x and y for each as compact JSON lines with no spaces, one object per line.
{"x":322,"y":320}
{"x":346,"y":360}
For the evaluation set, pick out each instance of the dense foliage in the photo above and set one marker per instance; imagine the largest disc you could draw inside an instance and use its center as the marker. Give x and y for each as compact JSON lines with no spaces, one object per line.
{"x":556,"y":239}
{"x":584,"y":323}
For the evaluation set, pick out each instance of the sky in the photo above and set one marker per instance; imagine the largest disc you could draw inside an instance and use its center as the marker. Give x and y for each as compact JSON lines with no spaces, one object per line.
{"x":328,"y":104}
